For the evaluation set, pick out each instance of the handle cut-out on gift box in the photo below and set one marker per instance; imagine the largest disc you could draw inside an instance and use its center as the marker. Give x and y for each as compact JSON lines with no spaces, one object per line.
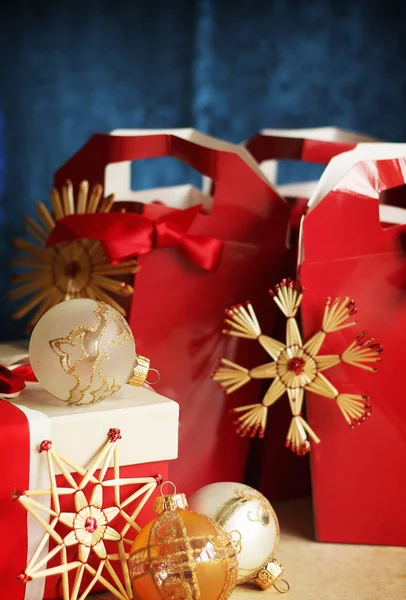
{"x":107,"y":158}
{"x":314,"y":146}
{"x":119,"y":176}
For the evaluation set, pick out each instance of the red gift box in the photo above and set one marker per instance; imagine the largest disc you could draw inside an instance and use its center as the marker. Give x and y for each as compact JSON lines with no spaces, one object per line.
{"x":148,"y":425}
{"x":178,"y":306}
{"x":351,"y":247}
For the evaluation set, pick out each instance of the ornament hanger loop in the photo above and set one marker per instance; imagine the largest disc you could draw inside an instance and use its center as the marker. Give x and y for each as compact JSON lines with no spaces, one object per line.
{"x":284,"y":589}
{"x":158,"y":378}
{"x":167,"y":483}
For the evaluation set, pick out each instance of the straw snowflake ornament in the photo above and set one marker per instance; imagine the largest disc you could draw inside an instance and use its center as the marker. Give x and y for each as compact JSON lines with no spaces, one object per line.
{"x":74,"y":269}
{"x":296,"y":365}
{"x":90,"y":525}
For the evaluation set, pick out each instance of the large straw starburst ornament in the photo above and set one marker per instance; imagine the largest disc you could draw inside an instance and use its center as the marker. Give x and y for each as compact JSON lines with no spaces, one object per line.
{"x":90,"y":525}
{"x":74,"y":269}
{"x":296,"y":365}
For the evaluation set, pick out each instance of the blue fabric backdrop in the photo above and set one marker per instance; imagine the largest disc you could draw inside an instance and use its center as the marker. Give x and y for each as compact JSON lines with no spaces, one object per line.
{"x":69,"y":69}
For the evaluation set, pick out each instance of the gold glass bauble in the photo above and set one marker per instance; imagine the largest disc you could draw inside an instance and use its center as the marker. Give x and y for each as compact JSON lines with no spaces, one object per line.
{"x":182,"y":555}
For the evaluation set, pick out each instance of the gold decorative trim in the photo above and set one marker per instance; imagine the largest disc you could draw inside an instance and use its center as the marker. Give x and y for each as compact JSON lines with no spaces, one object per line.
{"x":269,"y":574}
{"x":141,"y":371}
{"x":170,"y":502}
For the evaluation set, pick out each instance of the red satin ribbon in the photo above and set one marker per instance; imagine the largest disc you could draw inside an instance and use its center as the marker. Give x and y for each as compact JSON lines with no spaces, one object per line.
{"x":127,"y":234}
{"x":11,"y":384}
{"x":12,"y":380}
{"x":15,"y":448}
{"x":25,"y":372}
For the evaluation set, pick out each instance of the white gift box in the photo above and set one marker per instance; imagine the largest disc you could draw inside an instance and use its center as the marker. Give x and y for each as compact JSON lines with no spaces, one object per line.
{"x":148,"y":440}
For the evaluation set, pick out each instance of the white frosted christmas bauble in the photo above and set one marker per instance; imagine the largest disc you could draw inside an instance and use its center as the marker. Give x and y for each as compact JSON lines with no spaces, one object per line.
{"x":248,"y":518}
{"x":82,"y":351}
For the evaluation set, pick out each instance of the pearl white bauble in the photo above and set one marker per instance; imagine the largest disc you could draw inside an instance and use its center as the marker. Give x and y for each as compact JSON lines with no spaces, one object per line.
{"x":82,"y":351}
{"x":248,"y":518}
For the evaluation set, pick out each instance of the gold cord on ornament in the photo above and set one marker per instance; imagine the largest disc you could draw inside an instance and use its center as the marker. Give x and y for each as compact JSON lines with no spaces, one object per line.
{"x":158,"y":377}
{"x":161,"y":489}
{"x":282,"y":591}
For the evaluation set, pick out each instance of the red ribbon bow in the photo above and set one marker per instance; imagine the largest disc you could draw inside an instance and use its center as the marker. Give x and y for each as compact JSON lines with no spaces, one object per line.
{"x":127,"y":234}
{"x":12,"y":381}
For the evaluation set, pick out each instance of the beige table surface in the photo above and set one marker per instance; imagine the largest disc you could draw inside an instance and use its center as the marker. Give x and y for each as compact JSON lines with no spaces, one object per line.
{"x":328,"y":571}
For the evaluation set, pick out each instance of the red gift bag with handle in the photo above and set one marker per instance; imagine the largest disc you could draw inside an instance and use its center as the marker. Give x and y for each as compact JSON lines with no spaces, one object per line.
{"x":316,"y":145}
{"x":269,"y":147}
{"x":353,"y":244}
{"x":194,"y":263}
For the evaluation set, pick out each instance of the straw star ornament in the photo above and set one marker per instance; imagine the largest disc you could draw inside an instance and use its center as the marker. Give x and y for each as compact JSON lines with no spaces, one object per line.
{"x":296,"y":365}
{"x":90,"y":525}
{"x":75,"y":269}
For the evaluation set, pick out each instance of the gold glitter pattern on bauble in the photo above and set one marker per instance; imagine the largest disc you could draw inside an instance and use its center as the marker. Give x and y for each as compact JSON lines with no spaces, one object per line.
{"x":174,"y":562}
{"x":88,"y":346}
{"x":264,"y":514}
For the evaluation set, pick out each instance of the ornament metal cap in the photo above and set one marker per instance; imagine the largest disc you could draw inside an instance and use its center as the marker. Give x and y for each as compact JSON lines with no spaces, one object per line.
{"x":169,"y":502}
{"x":141,"y":371}
{"x":269,"y":575}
